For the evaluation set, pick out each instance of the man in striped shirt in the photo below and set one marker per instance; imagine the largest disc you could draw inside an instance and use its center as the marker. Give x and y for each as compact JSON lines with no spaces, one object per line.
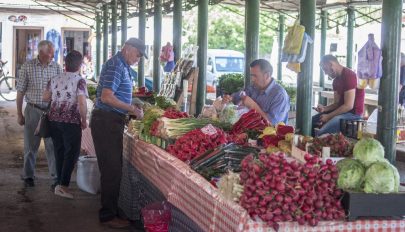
{"x":114,"y":98}
{"x":31,"y":83}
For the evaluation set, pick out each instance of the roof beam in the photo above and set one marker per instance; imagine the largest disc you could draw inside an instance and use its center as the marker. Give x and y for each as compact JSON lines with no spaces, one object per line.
{"x":59,"y":12}
{"x":87,"y":9}
{"x":71,"y":10}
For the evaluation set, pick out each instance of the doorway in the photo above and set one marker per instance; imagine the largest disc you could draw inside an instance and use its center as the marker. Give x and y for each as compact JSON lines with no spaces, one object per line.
{"x":26,"y":40}
{"x":79,"y":39}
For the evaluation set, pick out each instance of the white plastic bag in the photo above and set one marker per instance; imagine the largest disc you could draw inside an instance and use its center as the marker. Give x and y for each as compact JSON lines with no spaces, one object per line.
{"x":88,"y":174}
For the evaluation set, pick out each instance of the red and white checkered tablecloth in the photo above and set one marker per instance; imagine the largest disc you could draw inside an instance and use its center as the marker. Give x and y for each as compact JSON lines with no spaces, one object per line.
{"x":328,"y":226}
{"x":201,"y":202}
{"x":184,"y":188}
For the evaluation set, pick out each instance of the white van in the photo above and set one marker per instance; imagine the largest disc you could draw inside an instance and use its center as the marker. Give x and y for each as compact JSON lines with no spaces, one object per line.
{"x":223,"y":61}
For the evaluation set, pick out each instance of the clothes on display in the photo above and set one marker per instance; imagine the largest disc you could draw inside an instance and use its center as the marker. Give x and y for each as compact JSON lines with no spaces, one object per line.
{"x":54,"y":36}
{"x":167,"y":55}
{"x":369,"y":67}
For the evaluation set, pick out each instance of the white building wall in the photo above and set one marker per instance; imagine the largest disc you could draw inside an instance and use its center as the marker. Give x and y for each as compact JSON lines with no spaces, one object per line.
{"x":47,"y":21}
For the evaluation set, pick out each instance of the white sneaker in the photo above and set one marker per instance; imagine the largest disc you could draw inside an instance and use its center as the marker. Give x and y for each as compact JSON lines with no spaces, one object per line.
{"x":60,"y":191}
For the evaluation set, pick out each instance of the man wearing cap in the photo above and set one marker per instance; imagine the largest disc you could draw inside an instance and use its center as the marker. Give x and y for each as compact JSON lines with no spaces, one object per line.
{"x":113,"y":102}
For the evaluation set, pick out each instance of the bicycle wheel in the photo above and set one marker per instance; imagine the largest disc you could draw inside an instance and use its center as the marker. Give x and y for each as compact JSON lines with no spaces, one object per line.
{"x":7,"y":88}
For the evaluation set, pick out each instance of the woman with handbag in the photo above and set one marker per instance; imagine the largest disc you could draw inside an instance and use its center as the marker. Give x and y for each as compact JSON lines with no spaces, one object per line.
{"x":67,"y":94}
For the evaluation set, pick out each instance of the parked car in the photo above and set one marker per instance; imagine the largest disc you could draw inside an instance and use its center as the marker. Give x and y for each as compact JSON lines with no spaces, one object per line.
{"x":223,"y":61}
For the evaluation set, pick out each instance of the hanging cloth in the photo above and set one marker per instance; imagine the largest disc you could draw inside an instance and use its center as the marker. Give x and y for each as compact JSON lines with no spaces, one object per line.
{"x":293,"y":39}
{"x":369,"y":60}
{"x":167,"y":53}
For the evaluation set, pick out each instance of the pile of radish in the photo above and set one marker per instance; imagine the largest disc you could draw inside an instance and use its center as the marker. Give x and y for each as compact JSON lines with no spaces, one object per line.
{"x":277,"y":190}
{"x":196,"y":142}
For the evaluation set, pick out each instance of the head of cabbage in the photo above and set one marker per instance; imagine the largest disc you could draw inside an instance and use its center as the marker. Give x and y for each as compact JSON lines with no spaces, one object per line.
{"x":351,"y":174}
{"x":381,"y":177}
{"x":368,"y":150}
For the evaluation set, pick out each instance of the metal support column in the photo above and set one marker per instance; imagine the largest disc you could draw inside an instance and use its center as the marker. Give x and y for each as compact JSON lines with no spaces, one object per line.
{"x":304,"y":86}
{"x":157,"y":43}
{"x":350,"y":26}
{"x":98,"y":45}
{"x":105,"y":33}
{"x":324,"y":25}
{"x":177,"y":28}
{"x":252,"y":11}
{"x":280,"y":46}
{"x":124,"y":20}
{"x":114,"y":27}
{"x":141,"y":35}
{"x":388,"y":94}
{"x":202,"y":42}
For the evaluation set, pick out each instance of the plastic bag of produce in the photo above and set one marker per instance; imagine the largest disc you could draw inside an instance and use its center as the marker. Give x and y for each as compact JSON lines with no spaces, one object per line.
{"x":156,"y":217}
{"x":88,"y":174}
{"x":209,"y":112}
{"x":229,"y":114}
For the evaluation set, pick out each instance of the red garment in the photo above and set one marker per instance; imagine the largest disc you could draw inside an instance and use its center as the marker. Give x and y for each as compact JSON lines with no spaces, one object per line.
{"x":345,"y":82}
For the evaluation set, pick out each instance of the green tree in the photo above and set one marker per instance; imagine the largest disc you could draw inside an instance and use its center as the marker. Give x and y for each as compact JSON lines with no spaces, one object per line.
{"x":226,"y":29}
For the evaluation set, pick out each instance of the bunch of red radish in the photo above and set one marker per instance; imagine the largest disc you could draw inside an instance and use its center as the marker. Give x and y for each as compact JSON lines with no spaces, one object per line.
{"x":195,"y":143}
{"x":174,"y":114}
{"x":277,"y":190}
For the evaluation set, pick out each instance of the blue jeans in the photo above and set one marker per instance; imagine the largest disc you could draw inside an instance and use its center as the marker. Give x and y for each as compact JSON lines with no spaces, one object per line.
{"x":333,"y":125}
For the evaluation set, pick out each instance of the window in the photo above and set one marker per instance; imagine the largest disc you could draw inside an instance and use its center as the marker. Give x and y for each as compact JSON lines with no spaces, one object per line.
{"x":229,"y":64}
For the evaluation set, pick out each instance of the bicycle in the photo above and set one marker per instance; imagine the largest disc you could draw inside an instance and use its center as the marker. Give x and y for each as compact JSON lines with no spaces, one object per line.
{"x":7,"y":84}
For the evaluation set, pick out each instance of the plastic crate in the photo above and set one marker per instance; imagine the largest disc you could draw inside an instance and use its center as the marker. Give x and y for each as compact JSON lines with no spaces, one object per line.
{"x":352,"y":128}
{"x":358,"y":204}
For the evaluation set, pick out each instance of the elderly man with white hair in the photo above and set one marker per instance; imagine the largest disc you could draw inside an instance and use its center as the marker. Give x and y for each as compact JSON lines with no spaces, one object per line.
{"x":31,"y":83}
{"x":113,"y":103}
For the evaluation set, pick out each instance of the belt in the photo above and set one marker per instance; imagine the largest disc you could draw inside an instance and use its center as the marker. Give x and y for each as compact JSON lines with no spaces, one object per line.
{"x":110,"y":111}
{"x":37,"y":106}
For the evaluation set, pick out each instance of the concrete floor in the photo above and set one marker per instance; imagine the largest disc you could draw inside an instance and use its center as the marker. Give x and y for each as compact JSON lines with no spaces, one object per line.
{"x":37,"y":209}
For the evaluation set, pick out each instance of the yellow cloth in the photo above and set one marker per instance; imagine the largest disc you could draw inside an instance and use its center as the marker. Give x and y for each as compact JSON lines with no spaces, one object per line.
{"x":293,"y":39}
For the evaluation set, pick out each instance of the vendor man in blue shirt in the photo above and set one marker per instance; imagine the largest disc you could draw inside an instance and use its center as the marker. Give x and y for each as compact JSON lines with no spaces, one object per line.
{"x":264,"y":94}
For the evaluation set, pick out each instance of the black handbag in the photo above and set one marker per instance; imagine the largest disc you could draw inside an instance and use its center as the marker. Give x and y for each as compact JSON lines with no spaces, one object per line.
{"x":43,"y":128}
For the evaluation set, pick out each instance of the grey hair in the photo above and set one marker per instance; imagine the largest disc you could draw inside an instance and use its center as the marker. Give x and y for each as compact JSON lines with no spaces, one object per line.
{"x":44,"y":45}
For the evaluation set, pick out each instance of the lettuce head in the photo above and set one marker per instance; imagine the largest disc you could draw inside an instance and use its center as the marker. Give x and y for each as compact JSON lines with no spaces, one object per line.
{"x":381,"y":177}
{"x":351,"y":174}
{"x":368,"y":151}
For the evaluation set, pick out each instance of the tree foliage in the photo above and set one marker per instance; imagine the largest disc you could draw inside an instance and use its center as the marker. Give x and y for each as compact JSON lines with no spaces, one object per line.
{"x":226,"y":29}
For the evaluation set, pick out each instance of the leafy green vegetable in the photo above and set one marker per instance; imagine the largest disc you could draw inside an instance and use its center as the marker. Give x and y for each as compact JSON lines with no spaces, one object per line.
{"x":351,"y":174}
{"x":342,"y":163}
{"x":164,"y":102}
{"x":92,"y":91}
{"x":381,"y":177}
{"x":368,"y":150}
{"x":151,"y":114}
{"x":175,"y":128}
{"x":231,"y":83}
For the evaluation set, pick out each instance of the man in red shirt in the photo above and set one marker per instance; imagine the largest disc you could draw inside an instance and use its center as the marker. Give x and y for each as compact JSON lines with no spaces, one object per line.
{"x":348,"y":101}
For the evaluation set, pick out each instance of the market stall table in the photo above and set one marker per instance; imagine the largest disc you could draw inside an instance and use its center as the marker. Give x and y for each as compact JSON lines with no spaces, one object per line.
{"x":200,"y":203}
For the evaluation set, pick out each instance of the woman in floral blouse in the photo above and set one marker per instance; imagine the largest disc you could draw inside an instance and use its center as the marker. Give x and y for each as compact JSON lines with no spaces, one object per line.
{"x":67,"y":94}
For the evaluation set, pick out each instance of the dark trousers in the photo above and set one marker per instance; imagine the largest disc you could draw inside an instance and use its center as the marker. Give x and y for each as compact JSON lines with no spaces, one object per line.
{"x":107,"y":131}
{"x":66,"y":138}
